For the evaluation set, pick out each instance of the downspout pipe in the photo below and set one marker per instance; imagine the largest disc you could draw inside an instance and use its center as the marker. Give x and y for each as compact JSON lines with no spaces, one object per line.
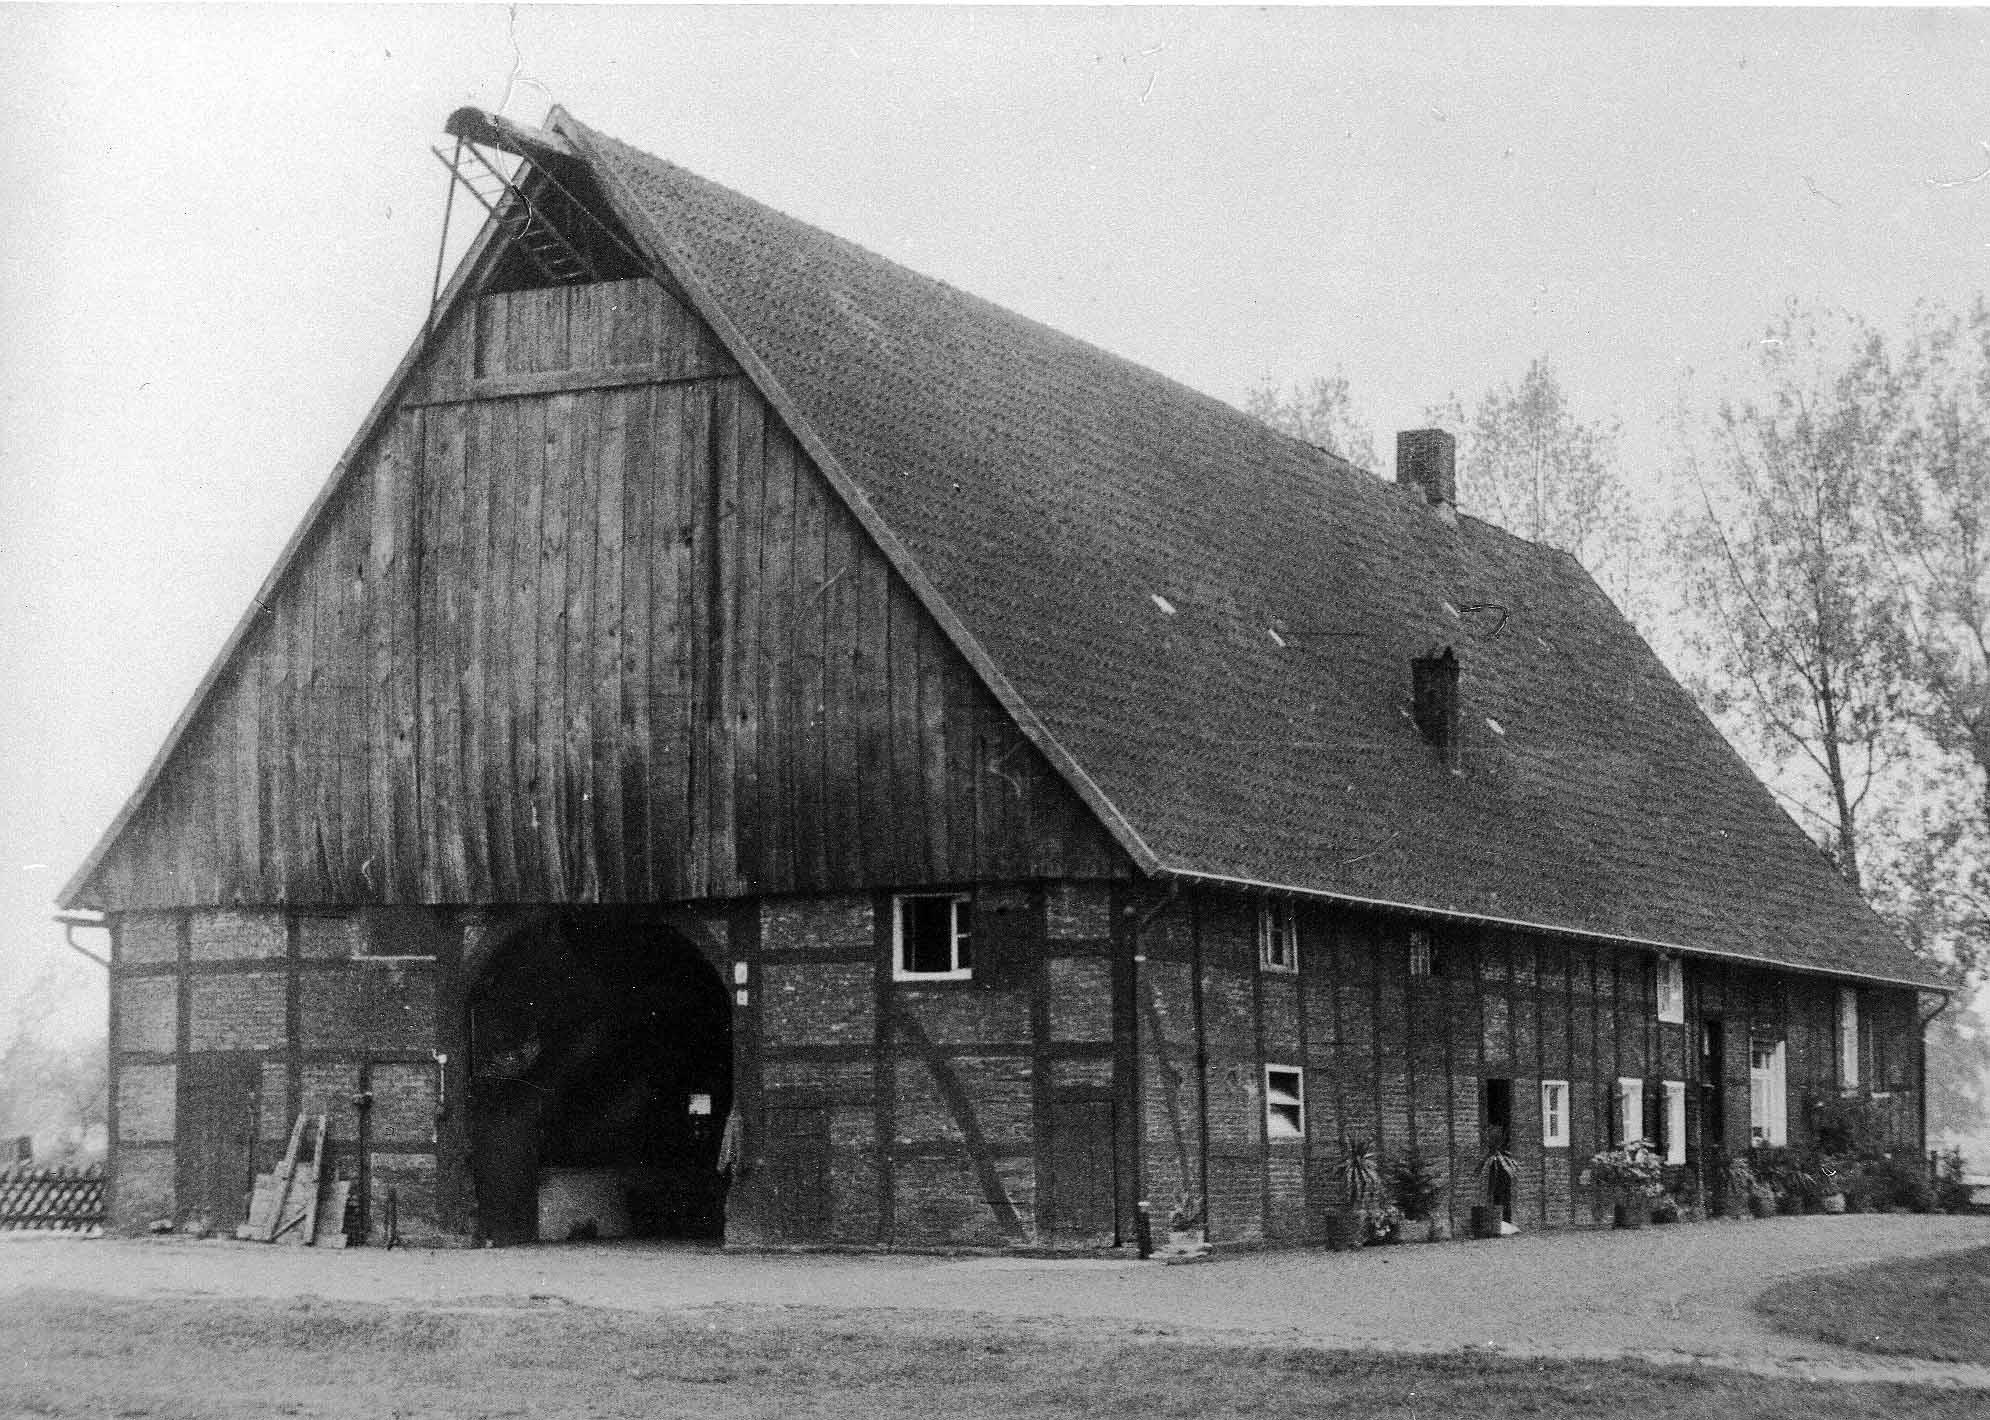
{"x":1921,"y":1044}
{"x":1143,"y":1208}
{"x":71,"y":921}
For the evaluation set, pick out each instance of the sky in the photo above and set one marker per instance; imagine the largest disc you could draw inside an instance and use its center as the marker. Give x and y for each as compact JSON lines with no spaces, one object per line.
{"x":221,"y":225}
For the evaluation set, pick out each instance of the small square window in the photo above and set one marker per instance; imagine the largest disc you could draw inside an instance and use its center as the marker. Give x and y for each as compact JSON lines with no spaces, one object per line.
{"x":1278,"y":936}
{"x":931,"y":938}
{"x":1671,"y":990}
{"x":1555,"y":1114}
{"x":1284,"y":1102}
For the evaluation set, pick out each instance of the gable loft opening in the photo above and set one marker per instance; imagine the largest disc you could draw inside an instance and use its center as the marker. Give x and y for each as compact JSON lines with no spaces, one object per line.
{"x":558,"y":227}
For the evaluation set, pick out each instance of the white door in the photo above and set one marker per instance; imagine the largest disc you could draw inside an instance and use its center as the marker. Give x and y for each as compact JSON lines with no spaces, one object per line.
{"x":1768,"y":1121}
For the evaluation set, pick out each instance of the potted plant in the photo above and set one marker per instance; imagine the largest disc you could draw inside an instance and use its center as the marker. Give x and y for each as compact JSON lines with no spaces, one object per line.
{"x":1417,"y":1187}
{"x":1382,"y":1225}
{"x":1361,"y":1190}
{"x":1496,"y":1177}
{"x":1629,"y":1174}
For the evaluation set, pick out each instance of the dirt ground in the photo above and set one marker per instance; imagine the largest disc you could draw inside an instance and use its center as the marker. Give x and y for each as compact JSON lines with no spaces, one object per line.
{"x":1675,"y":1294}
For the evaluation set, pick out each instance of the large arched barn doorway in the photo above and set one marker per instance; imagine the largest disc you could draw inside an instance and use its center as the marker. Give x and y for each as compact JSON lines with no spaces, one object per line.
{"x":600,"y":1081}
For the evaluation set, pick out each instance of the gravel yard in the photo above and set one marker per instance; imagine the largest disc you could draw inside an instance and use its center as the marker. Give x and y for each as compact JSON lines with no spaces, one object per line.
{"x":1670,"y":1294}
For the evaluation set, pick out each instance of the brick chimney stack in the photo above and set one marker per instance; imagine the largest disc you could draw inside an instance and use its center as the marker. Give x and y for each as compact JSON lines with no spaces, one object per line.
{"x":1428,"y":459}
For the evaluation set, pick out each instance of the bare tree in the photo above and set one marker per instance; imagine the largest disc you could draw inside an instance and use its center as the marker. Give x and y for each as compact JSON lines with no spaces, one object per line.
{"x":1935,"y":522}
{"x":52,"y":1090}
{"x":1526,"y":462}
{"x":1799,"y":615}
{"x":1321,"y":412}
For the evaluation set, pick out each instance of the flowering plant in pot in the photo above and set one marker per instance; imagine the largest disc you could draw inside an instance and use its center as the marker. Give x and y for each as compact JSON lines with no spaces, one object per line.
{"x":1361,"y":1191}
{"x":1417,"y":1186}
{"x":1497,"y":1175}
{"x":1629,"y":1174}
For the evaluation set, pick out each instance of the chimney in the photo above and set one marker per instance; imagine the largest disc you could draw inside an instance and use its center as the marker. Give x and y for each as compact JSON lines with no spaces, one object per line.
{"x":1434,"y":698}
{"x":1428,"y":459}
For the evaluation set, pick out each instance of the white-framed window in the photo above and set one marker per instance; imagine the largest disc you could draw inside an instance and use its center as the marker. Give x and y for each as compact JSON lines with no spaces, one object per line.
{"x":1848,"y":1037}
{"x":1278,"y":936}
{"x":1630,"y":1109}
{"x":1421,"y":962}
{"x":1284,"y":1102}
{"x":1672,"y":990}
{"x":1768,"y":1094}
{"x":1675,"y":1121}
{"x":1555,"y":1114}
{"x":931,"y":935}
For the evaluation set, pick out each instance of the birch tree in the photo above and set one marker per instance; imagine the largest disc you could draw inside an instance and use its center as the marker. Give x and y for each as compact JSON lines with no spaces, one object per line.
{"x":1321,"y":412}
{"x":1800,"y":614}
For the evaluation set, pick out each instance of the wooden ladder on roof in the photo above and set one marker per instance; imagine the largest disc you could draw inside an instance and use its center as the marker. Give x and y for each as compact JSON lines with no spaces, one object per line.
{"x":498,"y":193}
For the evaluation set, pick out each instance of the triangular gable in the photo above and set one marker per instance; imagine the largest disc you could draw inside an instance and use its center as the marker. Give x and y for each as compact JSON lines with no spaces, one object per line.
{"x":319,"y":768}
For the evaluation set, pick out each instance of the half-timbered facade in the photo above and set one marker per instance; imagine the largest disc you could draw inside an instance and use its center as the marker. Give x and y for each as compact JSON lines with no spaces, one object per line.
{"x":753,"y":742}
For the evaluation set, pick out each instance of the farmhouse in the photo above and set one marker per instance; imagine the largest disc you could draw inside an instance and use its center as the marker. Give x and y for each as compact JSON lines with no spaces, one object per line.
{"x":752,"y":742}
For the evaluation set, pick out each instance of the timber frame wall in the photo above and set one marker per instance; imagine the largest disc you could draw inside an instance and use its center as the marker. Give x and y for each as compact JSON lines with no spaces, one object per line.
{"x":1112,"y":1044}
{"x":1399,"y":1061}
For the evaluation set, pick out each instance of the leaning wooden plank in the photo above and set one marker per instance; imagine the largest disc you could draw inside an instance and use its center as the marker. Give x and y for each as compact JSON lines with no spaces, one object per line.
{"x":272,"y":1191}
{"x":331,"y":1231}
{"x":317,"y":1178}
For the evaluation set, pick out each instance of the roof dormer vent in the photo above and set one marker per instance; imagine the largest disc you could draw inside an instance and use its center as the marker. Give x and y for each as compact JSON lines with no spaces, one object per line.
{"x":1427,"y":459}
{"x":1434,"y":697}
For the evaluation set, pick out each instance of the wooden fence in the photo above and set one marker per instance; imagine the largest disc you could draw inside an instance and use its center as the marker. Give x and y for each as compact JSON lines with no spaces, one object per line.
{"x":61,"y":1200}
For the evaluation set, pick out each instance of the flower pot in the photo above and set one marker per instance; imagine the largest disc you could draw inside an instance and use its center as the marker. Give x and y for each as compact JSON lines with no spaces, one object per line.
{"x":1417,"y":1230}
{"x":1486,"y":1218}
{"x":1634,"y":1214}
{"x":1344,"y":1231}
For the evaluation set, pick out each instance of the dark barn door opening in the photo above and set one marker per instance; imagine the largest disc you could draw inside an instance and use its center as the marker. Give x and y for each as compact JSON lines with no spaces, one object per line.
{"x":1079,"y":1204}
{"x":600,"y":1078}
{"x":219,"y":1105}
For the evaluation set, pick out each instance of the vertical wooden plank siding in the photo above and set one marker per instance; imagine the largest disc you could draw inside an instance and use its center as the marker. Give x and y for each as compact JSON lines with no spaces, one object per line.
{"x":591,"y":642}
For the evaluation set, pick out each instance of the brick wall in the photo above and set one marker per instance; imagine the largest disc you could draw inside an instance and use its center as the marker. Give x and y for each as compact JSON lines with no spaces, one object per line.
{"x":148,"y":1014}
{"x":231,"y":982}
{"x":935,"y":1096}
{"x":238,"y":1011}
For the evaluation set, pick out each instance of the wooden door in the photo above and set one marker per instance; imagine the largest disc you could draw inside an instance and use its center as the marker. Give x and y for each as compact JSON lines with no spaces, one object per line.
{"x":796,"y":1166}
{"x":1080,"y":1204}
{"x":220,"y":1104}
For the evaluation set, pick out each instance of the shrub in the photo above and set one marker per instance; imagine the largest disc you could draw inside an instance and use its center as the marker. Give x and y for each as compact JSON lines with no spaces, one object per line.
{"x":1849,"y":1125}
{"x":1791,"y":1174}
{"x":1628,"y":1171}
{"x":1416,"y":1185}
{"x":1951,"y":1193}
{"x":1901,"y":1183}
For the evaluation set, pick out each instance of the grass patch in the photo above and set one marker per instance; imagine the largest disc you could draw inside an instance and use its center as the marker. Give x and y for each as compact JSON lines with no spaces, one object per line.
{"x":1935,"y":1308}
{"x":81,"y":1356}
